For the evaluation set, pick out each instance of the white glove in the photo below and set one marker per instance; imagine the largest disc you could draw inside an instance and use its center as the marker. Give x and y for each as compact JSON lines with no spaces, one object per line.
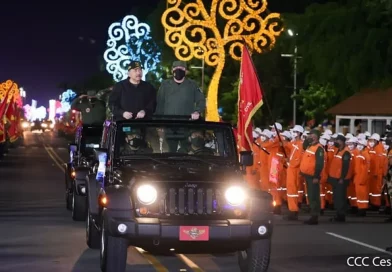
{"x":127,"y":115}
{"x":140,"y":114}
{"x":195,"y":115}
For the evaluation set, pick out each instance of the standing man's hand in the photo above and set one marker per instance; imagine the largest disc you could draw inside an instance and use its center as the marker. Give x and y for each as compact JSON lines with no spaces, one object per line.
{"x":140,"y":114}
{"x":127,"y":115}
{"x":195,"y":115}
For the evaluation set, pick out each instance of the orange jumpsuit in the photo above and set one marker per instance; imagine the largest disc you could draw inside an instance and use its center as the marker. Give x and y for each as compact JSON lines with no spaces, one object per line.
{"x":263,"y":168}
{"x":293,"y":174}
{"x":331,"y":152}
{"x":252,"y":172}
{"x":376,"y":175}
{"x":361,"y":178}
{"x":351,"y":187}
{"x":323,"y":183}
{"x":276,"y":163}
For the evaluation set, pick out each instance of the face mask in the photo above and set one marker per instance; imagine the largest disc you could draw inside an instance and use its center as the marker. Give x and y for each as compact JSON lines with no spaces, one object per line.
{"x":263,"y":138}
{"x":197,"y":142}
{"x":274,"y":133}
{"x":295,"y":134}
{"x":179,"y":74}
{"x":351,"y":147}
{"x":372,"y":144}
{"x":336,"y":145}
{"x":360,"y":147}
{"x":386,"y":147}
{"x":330,"y":143}
{"x":323,"y":142}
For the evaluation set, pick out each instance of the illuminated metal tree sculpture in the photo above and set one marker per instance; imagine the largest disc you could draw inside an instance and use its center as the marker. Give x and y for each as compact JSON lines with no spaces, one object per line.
{"x":130,"y":40}
{"x":66,"y":99}
{"x":11,"y":88}
{"x":194,"y":33}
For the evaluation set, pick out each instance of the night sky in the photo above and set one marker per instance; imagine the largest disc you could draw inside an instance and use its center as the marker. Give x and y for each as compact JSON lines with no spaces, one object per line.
{"x":45,"y":44}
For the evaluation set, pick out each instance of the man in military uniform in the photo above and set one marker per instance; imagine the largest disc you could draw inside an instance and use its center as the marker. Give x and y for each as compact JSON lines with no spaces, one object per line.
{"x":311,"y":167}
{"x":135,"y":144}
{"x":340,"y":174}
{"x":180,"y":95}
{"x":196,"y":145}
{"x":92,"y":109}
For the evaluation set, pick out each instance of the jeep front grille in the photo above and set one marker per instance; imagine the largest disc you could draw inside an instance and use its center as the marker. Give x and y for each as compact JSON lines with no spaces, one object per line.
{"x":191,"y":201}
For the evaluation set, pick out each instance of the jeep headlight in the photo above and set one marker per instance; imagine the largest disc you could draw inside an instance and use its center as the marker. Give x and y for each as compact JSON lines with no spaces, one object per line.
{"x":146,"y":194}
{"x":235,"y":195}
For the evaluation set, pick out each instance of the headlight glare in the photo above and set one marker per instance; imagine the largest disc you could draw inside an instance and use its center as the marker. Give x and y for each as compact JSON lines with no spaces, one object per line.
{"x":235,"y":195}
{"x":146,"y":194}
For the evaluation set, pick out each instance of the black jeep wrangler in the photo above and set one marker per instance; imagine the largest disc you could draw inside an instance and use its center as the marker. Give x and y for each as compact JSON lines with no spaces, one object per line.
{"x":79,"y":166}
{"x":175,"y":186}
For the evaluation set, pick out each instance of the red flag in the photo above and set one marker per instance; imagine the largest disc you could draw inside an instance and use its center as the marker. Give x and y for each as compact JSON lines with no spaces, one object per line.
{"x":12,"y":119}
{"x":250,"y":99}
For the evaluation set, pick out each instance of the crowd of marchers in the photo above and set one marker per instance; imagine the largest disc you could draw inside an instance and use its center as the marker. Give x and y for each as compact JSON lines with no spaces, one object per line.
{"x":319,"y":169}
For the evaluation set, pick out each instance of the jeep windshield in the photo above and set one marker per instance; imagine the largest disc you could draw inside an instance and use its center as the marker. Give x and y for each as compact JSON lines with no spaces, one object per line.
{"x":175,"y":140}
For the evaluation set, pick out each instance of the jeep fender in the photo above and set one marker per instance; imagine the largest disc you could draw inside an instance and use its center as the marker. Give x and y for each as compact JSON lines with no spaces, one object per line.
{"x":81,"y":172}
{"x":119,"y":198}
{"x":93,"y":190}
{"x":261,"y":205}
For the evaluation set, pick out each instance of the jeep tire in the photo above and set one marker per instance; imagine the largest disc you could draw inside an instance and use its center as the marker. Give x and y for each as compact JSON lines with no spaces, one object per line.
{"x":92,"y":233}
{"x":256,"y":257}
{"x":79,"y":207}
{"x":113,"y":253}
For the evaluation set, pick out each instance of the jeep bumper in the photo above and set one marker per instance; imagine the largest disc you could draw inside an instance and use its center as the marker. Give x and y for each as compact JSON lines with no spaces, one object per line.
{"x":174,"y":230}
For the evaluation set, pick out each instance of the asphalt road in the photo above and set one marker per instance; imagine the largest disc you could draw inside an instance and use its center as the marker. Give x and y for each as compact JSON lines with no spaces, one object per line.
{"x":38,"y":234}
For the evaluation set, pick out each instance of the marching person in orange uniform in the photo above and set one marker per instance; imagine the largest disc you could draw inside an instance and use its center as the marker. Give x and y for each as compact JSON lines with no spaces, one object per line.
{"x":339,"y":175}
{"x":275,"y":164}
{"x":376,"y":151}
{"x":351,"y":195}
{"x":361,"y":177}
{"x":265,"y":139}
{"x":311,"y":167}
{"x":286,"y":139}
{"x":385,"y":167}
{"x":331,"y":152}
{"x":252,"y":172}
{"x":293,"y":172}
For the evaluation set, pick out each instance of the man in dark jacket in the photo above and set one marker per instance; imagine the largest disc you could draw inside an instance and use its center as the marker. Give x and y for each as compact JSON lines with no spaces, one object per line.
{"x":180,"y":95}
{"x":133,"y":98}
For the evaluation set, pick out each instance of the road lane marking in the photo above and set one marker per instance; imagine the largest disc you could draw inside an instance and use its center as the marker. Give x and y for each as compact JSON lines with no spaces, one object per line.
{"x":60,"y":160}
{"x":359,"y":243}
{"x":152,"y":260}
{"x":189,"y":263}
{"x":54,"y":159}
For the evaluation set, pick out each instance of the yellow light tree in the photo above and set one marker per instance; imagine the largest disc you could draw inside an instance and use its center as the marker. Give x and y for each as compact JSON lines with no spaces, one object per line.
{"x":194,"y":33}
{"x":11,"y":88}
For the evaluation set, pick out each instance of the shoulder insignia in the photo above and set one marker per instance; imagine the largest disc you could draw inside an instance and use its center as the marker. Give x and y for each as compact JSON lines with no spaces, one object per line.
{"x":88,"y":110}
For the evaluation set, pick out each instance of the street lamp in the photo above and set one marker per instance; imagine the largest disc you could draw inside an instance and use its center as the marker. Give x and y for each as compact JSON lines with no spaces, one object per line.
{"x":202,"y":70}
{"x":291,"y":33}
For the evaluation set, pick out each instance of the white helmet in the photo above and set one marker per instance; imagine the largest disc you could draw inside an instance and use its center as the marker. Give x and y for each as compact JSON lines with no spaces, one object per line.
{"x":367,"y":134}
{"x":349,"y":135}
{"x":298,"y":128}
{"x":326,"y":136}
{"x":375,"y":136}
{"x":362,"y":142}
{"x":334,"y":136}
{"x":278,"y":126}
{"x":352,"y":140}
{"x":361,"y":136}
{"x":258,"y":130}
{"x":328,"y":132}
{"x":267,"y":133}
{"x":287,"y":134}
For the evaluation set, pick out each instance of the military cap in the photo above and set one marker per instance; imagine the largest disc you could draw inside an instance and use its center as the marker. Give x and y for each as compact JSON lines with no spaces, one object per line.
{"x":91,"y":93}
{"x":315,"y":132}
{"x":341,"y":138}
{"x":134,"y":64}
{"x":179,"y":63}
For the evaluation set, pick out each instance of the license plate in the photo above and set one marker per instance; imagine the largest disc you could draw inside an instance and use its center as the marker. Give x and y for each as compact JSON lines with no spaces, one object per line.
{"x":194,"y":233}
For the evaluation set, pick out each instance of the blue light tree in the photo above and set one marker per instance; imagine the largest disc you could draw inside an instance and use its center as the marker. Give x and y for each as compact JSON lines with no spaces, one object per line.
{"x":130,"y":40}
{"x":66,"y":99}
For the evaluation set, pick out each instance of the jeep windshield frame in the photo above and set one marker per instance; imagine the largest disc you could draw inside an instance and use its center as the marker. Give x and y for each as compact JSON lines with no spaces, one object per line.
{"x":220,"y":137}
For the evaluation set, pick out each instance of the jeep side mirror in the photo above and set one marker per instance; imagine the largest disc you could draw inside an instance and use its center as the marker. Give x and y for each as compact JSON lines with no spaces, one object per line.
{"x":246,"y":158}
